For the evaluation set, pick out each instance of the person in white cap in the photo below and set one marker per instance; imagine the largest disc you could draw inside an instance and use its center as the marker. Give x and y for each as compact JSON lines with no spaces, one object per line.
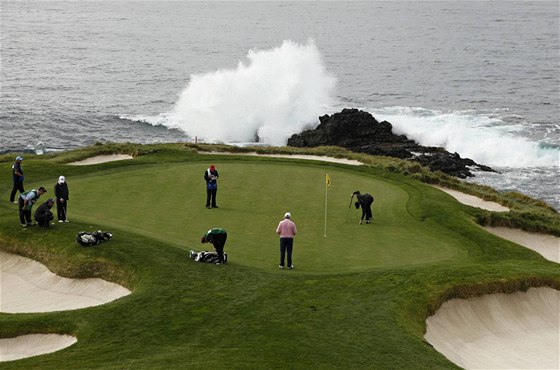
{"x":62,"y":195}
{"x":287,"y":230}
{"x":17,"y":175}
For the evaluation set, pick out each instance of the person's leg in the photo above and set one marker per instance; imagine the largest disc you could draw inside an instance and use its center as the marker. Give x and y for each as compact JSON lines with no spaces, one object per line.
{"x":27,"y":214}
{"x":43,"y":220}
{"x":289,"y":248}
{"x":13,"y":193}
{"x":214,"y":191}
{"x":282,"y":251}
{"x":219,"y":246}
{"x":208,"y":194}
{"x":368,"y":213}
{"x":59,"y":210}
{"x":21,"y":211}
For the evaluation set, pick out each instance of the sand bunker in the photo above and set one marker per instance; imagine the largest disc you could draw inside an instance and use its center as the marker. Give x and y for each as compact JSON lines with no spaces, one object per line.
{"x":33,"y":345}
{"x":499,"y":331}
{"x":473,"y":201}
{"x":295,"y":156}
{"x":28,"y":286}
{"x":101,"y":159}
{"x":547,"y":245}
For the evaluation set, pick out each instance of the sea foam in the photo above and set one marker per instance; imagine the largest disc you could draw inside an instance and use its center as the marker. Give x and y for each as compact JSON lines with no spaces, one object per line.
{"x":276,"y":93}
{"x":486,"y":140}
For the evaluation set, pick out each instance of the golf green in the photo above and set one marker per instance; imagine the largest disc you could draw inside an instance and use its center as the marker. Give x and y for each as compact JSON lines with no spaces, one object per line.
{"x":168,"y":203}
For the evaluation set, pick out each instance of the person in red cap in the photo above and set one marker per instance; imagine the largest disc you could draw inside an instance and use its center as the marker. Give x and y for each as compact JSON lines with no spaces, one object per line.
{"x":211,"y":177}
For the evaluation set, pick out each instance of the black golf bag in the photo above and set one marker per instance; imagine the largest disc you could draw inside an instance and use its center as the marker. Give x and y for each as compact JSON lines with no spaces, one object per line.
{"x":205,"y":256}
{"x":89,"y":239}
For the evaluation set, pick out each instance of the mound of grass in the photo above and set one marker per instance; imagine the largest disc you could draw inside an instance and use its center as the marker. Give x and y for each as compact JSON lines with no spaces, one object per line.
{"x":358,"y":298}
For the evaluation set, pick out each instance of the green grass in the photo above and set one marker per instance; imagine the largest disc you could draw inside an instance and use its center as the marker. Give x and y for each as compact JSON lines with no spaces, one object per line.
{"x":358,"y":298}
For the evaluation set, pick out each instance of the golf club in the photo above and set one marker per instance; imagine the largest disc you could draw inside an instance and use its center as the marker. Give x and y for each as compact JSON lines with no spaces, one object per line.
{"x":350,"y":205}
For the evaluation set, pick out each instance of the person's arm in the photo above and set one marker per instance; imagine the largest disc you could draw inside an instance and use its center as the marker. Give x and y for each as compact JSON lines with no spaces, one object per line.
{"x":278,"y":228}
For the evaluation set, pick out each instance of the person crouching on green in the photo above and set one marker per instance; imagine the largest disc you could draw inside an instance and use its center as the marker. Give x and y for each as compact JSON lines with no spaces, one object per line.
{"x":43,"y":214}
{"x":217,"y":237}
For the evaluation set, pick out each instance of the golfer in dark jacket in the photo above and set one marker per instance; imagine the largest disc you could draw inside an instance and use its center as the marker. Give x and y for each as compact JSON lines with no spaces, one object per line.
{"x":17,"y":176}
{"x":365,"y":202}
{"x":217,"y":236}
{"x":62,"y":195}
{"x":43,"y":214}
{"x":211,"y":177}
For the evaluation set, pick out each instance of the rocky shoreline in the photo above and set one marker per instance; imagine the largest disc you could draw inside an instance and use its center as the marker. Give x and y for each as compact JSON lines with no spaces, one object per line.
{"x":360,"y":132}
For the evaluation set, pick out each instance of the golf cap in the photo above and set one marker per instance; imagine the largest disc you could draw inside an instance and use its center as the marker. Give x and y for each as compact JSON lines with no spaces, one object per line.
{"x":61,"y":179}
{"x":43,"y":189}
{"x":19,"y":158}
{"x":212,"y":167}
{"x":50,"y":200}
{"x":287,"y":215}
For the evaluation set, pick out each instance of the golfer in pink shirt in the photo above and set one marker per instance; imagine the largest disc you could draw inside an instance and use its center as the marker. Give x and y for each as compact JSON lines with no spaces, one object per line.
{"x":286,"y":229}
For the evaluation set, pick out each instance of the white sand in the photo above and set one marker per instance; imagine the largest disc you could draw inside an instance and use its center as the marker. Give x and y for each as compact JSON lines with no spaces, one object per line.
{"x":547,"y":245}
{"x":499,"y":331}
{"x":295,"y":156}
{"x":101,"y":159}
{"x":32,"y":345}
{"x":473,"y":201}
{"x":28,"y":286}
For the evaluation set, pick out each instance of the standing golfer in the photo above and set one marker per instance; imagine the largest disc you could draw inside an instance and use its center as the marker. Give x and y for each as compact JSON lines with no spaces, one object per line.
{"x":25,"y":203}
{"x":61,"y":193}
{"x":17,"y":177}
{"x":217,"y":237}
{"x":365,"y":202}
{"x":287,"y":230}
{"x":211,"y":177}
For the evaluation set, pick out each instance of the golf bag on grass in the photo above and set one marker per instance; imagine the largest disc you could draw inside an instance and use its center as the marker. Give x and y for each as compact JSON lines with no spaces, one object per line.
{"x":205,"y":256}
{"x":89,"y":239}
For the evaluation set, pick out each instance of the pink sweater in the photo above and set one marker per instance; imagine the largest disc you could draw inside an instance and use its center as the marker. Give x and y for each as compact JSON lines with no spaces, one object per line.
{"x":286,"y":228}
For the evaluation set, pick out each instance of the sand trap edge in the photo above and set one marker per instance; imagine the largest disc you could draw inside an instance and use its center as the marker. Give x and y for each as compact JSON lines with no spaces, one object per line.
{"x":499,"y":331}
{"x":31,"y":345}
{"x":101,"y":159}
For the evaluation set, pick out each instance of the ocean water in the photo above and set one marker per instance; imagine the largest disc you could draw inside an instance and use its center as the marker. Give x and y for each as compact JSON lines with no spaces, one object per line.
{"x":478,"y":78}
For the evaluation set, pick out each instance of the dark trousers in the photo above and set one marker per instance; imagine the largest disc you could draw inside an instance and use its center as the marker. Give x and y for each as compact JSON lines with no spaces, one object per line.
{"x":18,"y":185}
{"x":24,"y":215}
{"x":43,"y":220}
{"x":61,"y":209}
{"x":219,"y":240}
{"x":211,"y":193}
{"x":286,"y":245}
{"x":366,"y":211}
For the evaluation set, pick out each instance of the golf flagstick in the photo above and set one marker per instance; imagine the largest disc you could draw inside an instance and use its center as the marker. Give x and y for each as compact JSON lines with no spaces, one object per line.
{"x":327,"y":187}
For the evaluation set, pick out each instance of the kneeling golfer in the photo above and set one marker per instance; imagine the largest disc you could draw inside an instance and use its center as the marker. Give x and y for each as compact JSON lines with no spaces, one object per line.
{"x":43,"y":214}
{"x":217,"y":237}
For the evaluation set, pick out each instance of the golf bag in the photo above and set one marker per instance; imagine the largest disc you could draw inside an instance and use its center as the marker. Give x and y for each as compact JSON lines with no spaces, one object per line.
{"x":89,"y":239}
{"x":205,"y":256}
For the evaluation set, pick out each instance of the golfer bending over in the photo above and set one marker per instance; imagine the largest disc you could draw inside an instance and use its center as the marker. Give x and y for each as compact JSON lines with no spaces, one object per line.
{"x":43,"y":214}
{"x":365,"y":202}
{"x":217,"y":237}
{"x":287,"y":230}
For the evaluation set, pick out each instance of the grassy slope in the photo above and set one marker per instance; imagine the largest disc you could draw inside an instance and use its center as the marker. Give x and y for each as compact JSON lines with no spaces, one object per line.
{"x":358,"y":298}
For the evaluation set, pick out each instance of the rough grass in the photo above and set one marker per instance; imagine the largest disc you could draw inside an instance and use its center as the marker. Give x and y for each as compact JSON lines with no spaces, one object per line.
{"x":357,"y":299}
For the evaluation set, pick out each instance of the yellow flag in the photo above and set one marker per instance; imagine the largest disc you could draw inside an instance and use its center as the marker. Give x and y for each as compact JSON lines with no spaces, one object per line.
{"x":328,"y":180}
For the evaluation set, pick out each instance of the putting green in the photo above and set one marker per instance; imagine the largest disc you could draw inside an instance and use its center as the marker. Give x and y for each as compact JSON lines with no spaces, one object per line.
{"x":167,"y":202}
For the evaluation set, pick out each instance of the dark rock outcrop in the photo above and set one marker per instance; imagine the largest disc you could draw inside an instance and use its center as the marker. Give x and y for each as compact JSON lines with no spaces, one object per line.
{"x":360,"y":132}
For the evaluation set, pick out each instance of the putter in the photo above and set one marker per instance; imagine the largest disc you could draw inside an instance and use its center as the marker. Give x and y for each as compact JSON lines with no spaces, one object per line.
{"x":350,"y":205}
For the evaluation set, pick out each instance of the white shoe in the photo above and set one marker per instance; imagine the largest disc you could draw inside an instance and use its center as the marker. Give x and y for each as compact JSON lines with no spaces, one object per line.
{"x":66,"y":221}
{"x":60,"y":221}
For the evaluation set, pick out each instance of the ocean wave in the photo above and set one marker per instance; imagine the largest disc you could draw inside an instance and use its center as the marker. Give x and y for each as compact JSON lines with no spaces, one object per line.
{"x":276,"y":93}
{"x":485,"y":139}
